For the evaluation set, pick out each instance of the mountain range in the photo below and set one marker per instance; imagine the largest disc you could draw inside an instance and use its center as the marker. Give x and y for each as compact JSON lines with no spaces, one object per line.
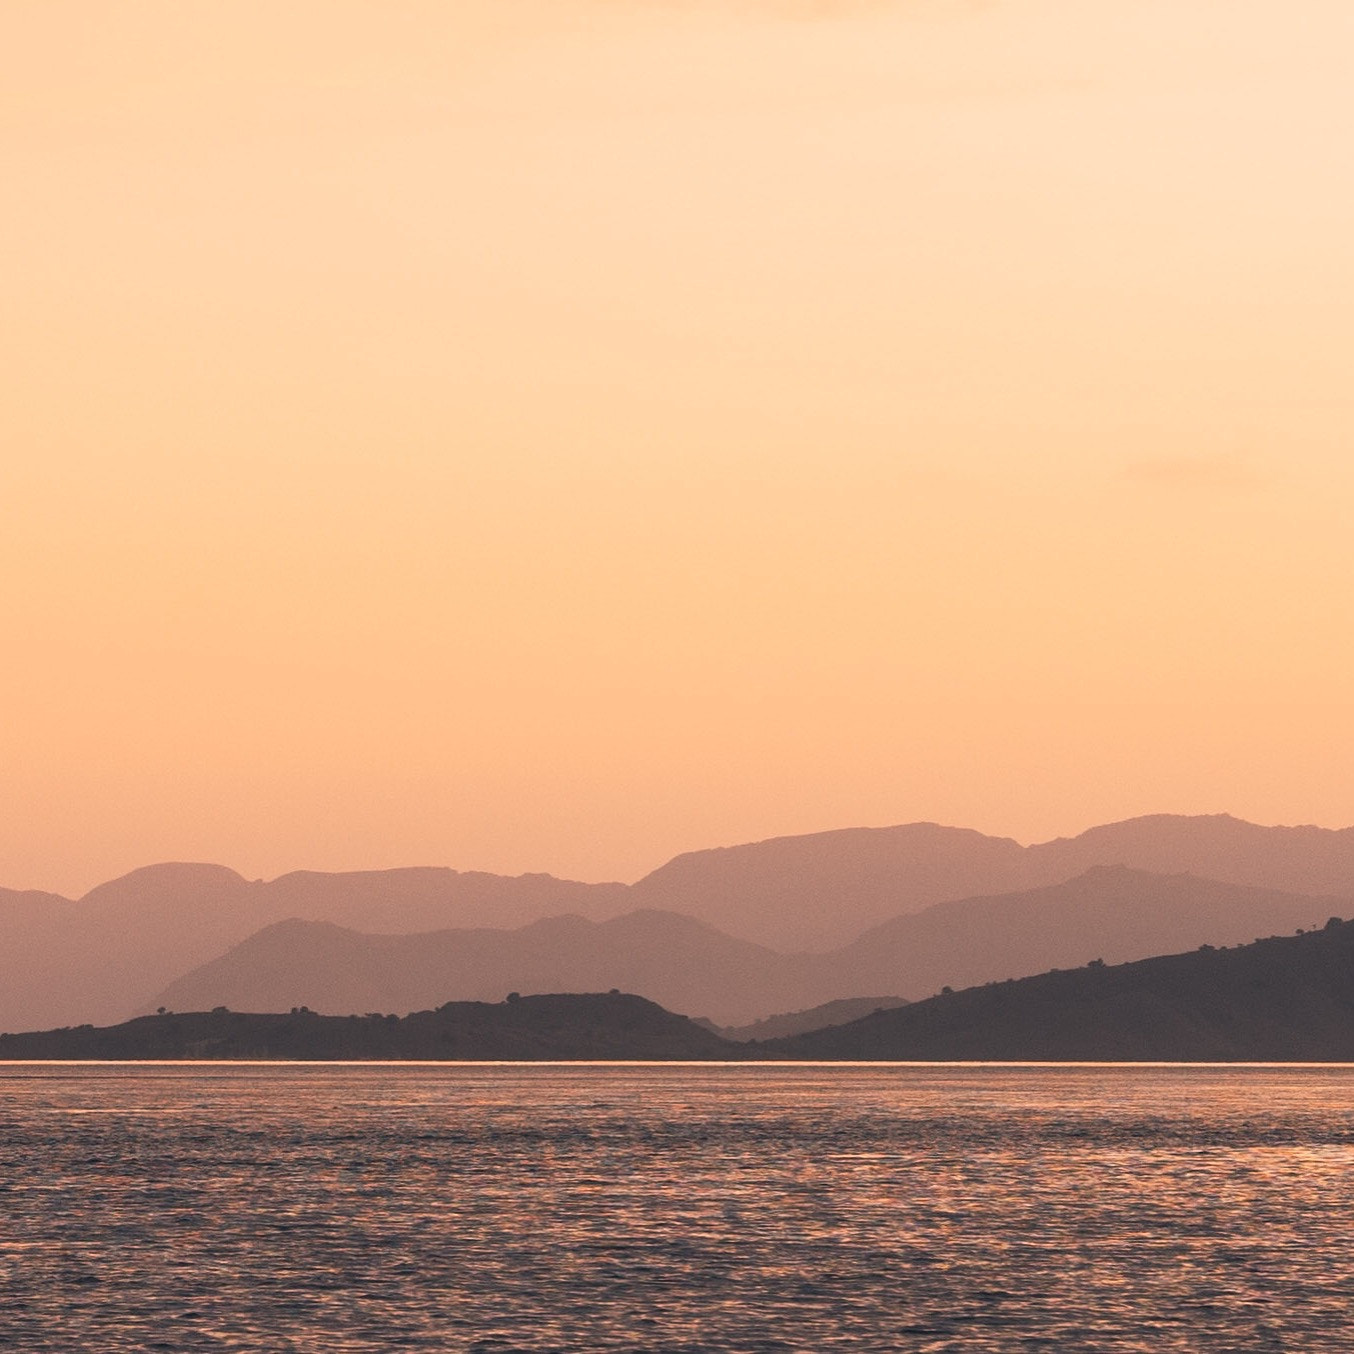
{"x":1109,"y":913}
{"x":820,"y":891}
{"x":735,"y":934}
{"x":100,"y":958}
{"x":679,"y":963}
{"x":1279,"y":999}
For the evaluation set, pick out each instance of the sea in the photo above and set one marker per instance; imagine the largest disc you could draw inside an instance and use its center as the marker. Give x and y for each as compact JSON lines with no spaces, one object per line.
{"x":675,"y":1207}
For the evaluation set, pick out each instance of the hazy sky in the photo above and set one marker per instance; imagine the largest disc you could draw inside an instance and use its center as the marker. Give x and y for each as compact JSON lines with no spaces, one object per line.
{"x":552,"y":434}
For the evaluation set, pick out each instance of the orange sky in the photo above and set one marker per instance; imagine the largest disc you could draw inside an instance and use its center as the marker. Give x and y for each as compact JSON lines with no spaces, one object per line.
{"x":553,"y":434}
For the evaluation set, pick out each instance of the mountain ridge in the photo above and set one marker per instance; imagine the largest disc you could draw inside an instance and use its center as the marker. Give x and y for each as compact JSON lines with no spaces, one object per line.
{"x":1280,"y":998}
{"x":1110,"y":912}
{"x":675,"y":960}
{"x":98,"y":958}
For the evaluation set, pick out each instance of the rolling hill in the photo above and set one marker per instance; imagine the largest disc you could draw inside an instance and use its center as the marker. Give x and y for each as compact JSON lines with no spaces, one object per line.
{"x":679,"y":963}
{"x":101,"y":957}
{"x":821,"y":891}
{"x":567,"y":1026}
{"x":1280,"y":999}
{"x":1108,"y":913}
{"x":64,"y":962}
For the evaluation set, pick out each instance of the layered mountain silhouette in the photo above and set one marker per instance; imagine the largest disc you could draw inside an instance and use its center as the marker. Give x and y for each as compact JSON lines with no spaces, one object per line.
{"x":101,"y":958}
{"x":822,"y":890}
{"x":1279,"y":999}
{"x":98,"y":959}
{"x":801,"y":1022}
{"x":1109,"y":912}
{"x":819,"y":891}
{"x":679,"y":963}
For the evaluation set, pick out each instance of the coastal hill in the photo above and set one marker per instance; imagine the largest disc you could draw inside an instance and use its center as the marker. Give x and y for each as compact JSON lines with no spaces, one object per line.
{"x":1110,"y":913}
{"x":99,"y":959}
{"x":786,"y":1023}
{"x":680,"y":963}
{"x":570,"y":1027}
{"x":1280,"y":999}
{"x":102,"y":957}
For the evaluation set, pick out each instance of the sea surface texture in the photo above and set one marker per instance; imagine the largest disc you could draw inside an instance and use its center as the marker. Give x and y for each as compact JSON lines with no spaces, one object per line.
{"x":676,"y":1208}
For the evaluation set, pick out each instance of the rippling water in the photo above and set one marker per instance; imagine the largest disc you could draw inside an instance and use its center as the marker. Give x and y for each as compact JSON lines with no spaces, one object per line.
{"x":675,"y":1208}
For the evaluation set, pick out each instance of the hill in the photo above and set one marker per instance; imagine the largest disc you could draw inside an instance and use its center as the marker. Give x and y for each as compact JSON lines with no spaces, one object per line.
{"x":840,"y":1012}
{"x":99,"y":958}
{"x":563,"y":1027}
{"x":1281,"y":999}
{"x":1110,"y":912}
{"x":1306,"y":859}
{"x":678,"y":962}
{"x":1114,"y":914}
{"x":820,"y":891}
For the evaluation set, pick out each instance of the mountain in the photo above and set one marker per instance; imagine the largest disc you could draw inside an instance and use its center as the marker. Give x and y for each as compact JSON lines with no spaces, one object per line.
{"x":562,"y":1027}
{"x":839,"y":1012}
{"x":98,"y":959}
{"x":820,"y":891}
{"x":682,"y":964}
{"x":65,"y":962}
{"x":1280,"y":999}
{"x":1311,"y":860}
{"x":1109,"y":913}
{"x":32,"y":903}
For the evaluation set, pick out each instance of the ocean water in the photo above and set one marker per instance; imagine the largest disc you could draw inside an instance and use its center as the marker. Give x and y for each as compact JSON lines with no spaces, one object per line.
{"x":675,"y":1208}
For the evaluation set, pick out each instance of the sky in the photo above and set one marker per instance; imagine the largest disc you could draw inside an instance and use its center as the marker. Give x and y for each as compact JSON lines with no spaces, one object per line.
{"x":556,"y":434}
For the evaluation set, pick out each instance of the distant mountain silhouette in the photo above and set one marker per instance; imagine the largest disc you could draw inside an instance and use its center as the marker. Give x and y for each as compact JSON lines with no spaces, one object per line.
{"x":562,"y":1027}
{"x":99,"y":959}
{"x":1278,"y":999}
{"x":33,"y":902}
{"x":830,"y":1013}
{"x":96,"y":960}
{"x":1310,"y":860}
{"x":822,"y":890}
{"x":817,"y":891}
{"x":1109,"y":913}
{"x":680,"y":963}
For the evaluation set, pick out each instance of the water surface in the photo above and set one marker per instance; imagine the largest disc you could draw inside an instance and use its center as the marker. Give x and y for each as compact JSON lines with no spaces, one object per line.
{"x":675,"y":1208}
